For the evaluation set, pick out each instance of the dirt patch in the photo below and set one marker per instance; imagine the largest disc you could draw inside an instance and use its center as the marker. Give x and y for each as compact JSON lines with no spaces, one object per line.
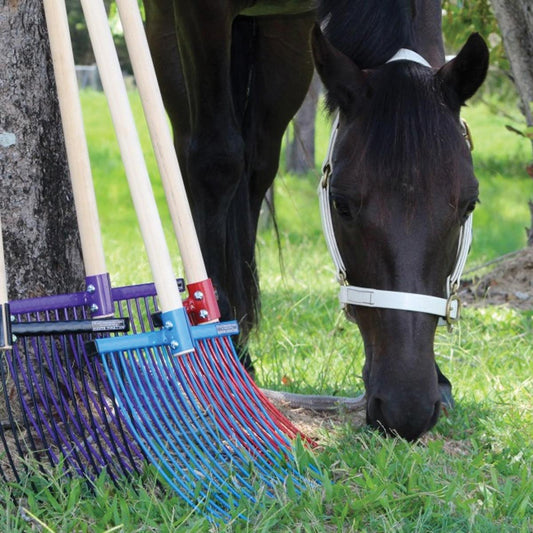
{"x":509,"y":282}
{"x":321,"y":426}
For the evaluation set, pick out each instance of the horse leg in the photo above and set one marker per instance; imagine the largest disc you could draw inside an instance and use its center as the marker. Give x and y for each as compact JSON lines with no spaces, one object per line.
{"x":268,"y":88}
{"x":211,"y":151}
{"x":192,"y":56}
{"x":161,"y":34}
{"x":283,"y":71}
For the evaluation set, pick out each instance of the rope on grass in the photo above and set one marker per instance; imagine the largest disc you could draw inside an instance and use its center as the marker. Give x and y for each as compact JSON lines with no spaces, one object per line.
{"x":493,"y":261}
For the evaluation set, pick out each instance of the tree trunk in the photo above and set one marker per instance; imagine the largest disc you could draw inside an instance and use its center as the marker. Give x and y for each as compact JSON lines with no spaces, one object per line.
{"x":300,"y":155}
{"x":515,"y":19}
{"x":38,"y":218}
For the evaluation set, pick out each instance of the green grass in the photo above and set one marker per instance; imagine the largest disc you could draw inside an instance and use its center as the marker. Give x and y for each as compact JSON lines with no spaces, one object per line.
{"x":500,"y":158}
{"x":472,"y":473}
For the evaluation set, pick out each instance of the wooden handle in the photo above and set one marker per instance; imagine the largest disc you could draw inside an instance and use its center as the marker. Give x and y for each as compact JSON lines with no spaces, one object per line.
{"x":167,"y":161}
{"x":132,"y":156}
{"x":74,"y":133}
{"x":3,"y":277}
{"x":5,"y":316}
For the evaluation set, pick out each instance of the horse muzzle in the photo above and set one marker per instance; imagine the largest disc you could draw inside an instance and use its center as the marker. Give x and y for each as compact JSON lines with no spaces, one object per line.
{"x":408,"y":415}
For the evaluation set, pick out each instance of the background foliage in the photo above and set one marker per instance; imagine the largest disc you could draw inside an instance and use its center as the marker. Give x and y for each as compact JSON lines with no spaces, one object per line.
{"x":463,"y":17}
{"x":81,"y":44}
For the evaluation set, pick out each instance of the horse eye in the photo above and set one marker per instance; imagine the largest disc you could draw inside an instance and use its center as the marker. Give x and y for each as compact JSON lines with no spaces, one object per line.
{"x":470,"y":208}
{"x":342,"y":207}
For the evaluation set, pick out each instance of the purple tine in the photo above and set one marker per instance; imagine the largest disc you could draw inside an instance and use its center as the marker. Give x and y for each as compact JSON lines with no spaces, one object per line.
{"x":63,"y":395}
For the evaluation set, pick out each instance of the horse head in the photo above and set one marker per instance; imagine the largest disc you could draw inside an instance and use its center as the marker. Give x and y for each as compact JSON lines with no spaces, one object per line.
{"x":399,"y":188}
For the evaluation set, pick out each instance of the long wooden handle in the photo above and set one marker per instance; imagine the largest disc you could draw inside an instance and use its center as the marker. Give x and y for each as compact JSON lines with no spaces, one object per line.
{"x":3,"y":277}
{"x":5,"y":316}
{"x":132,"y":156}
{"x":74,"y":133}
{"x":169,"y":169}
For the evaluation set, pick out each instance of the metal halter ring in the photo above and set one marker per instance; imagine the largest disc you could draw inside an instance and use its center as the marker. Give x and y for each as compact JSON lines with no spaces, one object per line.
{"x":451,"y":320}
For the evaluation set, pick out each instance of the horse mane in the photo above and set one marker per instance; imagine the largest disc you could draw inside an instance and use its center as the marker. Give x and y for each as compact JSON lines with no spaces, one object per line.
{"x":406,"y":123}
{"x":368,"y":32}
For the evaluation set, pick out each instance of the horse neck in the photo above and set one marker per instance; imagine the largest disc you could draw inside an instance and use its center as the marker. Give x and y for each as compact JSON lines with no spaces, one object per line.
{"x":427,"y":31}
{"x":370,"y":33}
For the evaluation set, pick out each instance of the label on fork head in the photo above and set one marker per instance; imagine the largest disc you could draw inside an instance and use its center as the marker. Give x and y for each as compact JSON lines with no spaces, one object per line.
{"x":227,"y":328}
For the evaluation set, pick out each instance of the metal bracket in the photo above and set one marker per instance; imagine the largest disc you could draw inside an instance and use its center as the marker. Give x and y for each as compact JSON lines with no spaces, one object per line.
{"x":5,"y":327}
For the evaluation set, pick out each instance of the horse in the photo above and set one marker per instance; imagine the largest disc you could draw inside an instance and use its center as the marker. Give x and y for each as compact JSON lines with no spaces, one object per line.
{"x":400,"y":184}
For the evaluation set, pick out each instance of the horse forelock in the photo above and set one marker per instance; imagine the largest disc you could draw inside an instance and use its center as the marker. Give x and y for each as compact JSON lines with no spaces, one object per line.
{"x":408,"y":135}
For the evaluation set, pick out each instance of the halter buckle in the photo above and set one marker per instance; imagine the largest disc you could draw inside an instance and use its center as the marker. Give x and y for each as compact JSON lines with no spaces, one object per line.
{"x":326,"y":171}
{"x":467,"y":134}
{"x":453,"y":307}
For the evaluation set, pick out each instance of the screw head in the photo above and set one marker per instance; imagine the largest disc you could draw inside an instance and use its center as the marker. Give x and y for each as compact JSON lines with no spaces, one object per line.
{"x":174,"y":345}
{"x":198,"y":295}
{"x":94,"y":308}
{"x":168,"y":324}
{"x":91,"y":288}
{"x":203,"y":314}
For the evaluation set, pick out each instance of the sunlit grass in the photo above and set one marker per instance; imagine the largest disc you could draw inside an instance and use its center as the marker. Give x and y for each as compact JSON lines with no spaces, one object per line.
{"x":126,"y":258}
{"x":500,"y":158}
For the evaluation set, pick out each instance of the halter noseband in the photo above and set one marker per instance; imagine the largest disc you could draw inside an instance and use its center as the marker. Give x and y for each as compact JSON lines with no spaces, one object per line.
{"x":447,"y":309}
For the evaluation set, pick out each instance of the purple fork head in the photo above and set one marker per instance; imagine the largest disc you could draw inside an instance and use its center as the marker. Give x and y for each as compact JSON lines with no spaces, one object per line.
{"x":58,"y":403}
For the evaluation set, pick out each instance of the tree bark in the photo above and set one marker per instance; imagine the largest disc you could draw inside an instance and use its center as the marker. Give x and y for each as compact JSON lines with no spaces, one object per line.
{"x":36,"y":205}
{"x":300,"y":154}
{"x":515,"y":19}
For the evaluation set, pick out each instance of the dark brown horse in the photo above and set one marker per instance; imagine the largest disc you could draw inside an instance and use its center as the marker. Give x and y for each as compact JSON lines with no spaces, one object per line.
{"x":401,"y":184}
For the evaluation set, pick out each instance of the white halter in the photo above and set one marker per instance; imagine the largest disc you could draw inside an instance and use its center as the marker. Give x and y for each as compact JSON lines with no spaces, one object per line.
{"x":447,"y":309}
{"x":404,"y":54}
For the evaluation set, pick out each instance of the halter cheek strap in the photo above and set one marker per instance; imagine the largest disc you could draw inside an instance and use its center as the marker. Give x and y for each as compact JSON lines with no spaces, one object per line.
{"x":447,"y":309}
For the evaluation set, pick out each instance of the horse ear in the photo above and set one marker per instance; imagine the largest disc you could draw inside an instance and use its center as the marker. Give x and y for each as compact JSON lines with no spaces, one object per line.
{"x":463,"y":75}
{"x":342,"y":78}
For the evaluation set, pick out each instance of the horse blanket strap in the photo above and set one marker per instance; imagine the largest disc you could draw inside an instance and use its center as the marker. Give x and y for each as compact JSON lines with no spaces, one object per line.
{"x":447,"y":309}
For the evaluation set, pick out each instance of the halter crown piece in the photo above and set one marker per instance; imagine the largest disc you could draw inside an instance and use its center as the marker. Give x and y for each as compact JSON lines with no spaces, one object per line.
{"x":404,"y":54}
{"x":447,"y":309}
